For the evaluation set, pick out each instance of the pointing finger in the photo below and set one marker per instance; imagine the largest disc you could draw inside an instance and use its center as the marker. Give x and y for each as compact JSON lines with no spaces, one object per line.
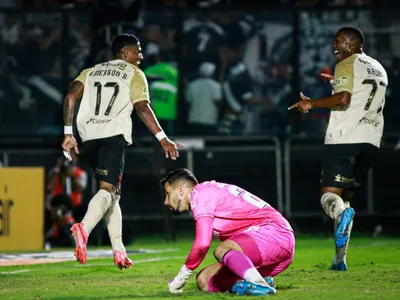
{"x":327,"y":76}
{"x":293,"y":106}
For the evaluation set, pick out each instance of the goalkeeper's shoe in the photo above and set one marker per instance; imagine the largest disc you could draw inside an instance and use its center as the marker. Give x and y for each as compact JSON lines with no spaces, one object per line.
{"x":270,"y":281}
{"x":81,"y":238}
{"x":249,"y":288}
{"x":338,"y":267}
{"x":342,"y":231}
{"x":121,"y":260}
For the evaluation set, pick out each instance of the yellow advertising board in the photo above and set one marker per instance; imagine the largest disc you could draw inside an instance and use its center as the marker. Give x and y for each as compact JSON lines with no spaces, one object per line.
{"x":21,"y":208}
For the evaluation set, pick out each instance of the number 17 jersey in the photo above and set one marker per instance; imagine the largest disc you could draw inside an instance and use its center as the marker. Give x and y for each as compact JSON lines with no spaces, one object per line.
{"x":362,"y":120}
{"x":111,"y":89}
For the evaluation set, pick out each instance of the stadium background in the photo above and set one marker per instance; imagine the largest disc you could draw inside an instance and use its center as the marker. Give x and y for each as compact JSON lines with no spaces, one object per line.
{"x":276,"y":156}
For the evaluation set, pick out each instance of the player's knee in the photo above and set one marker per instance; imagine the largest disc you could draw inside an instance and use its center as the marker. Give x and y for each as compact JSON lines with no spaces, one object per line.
{"x":332,"y":204}
{"x":328,"y":189}
{"x":202,"y":281}
{"x":223,"y":248}
{"x":107,"y":187}
{"x":219,"y":252}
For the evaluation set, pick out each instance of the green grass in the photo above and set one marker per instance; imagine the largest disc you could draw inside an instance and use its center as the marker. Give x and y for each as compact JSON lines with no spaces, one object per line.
{"x":374,"y":273}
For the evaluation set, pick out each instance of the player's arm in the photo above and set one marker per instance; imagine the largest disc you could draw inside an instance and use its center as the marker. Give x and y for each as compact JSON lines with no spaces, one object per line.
{"x":343,"y":88}
{"x":141,"y":100}
{"x":200,"y":247}
{"x":75,"y":91}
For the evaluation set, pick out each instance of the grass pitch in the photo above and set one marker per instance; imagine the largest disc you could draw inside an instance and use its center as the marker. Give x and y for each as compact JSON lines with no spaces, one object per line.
{"x":374,"y":273}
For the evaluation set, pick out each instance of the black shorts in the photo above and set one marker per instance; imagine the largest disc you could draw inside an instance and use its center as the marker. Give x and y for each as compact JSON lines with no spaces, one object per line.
{"x":346,"y":166}
{"x":107,"y":158}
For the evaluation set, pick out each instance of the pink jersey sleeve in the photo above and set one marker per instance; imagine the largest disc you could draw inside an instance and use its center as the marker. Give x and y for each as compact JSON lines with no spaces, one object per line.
{"x":202,"y":242}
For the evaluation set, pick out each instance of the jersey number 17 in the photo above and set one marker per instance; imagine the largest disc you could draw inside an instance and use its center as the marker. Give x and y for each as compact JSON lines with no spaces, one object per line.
{"x":99,"y":87}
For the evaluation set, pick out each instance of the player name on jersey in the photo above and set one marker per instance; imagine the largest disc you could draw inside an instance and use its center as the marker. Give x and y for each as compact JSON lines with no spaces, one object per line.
{"x":108,"y":72}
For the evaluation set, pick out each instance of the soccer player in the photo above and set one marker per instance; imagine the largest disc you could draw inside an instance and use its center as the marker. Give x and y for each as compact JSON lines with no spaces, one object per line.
{"x":109,"y":91}
{"x":257,"y":241}
{"x":354,"y":132}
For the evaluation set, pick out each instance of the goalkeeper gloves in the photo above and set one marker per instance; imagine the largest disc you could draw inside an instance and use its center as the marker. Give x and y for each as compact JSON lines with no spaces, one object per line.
{"x":176,"y":285}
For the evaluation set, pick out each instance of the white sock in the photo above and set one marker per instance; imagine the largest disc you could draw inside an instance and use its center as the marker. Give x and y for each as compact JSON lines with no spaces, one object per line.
{"x":341,"y":252}
{"x":98,"y":205}
{"x":333,"y":205}
{"x":252,"y":275}
{"x":113,"y":219}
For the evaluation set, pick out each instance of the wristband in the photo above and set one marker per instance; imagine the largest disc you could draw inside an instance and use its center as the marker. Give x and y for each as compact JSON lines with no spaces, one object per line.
{"x":67,"y":129}
{"x":161,"y":135}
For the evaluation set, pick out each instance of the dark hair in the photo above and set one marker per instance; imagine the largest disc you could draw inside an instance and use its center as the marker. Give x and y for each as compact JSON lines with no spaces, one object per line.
{"x":179,"y":174}
{"x":121,"y":41}
{"x":353,"y":33}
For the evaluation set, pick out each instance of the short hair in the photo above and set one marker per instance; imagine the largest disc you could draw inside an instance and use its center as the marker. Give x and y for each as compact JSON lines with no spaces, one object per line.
{"x":353,"y":33}
{"x":121,"y":41}
{"x":177,"y":175}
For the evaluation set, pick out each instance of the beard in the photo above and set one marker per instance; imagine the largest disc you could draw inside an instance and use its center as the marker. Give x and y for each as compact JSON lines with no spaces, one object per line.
{"x":176,"y":211}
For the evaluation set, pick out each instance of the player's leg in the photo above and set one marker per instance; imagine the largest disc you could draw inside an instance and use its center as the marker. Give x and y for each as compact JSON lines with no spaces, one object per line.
{"x":276,"y":249}
{"x":114,"y":157}
{"x":97,"y":207}
{"x":270,"y":249}
{"x":339,"y":260}
{"x":207,"y":281}
{"x":113,"y":219}
{"x":101,"y":201}
{"x":241,"y":258}
{"x":364,"y":160}
{"x":241,"y":255}
{"x":338,"y":174}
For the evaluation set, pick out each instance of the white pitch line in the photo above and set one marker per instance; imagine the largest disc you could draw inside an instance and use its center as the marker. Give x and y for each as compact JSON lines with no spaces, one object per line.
{"x":14,"y":272}
{"x":141,"y":261}
{"x":135,"y":261}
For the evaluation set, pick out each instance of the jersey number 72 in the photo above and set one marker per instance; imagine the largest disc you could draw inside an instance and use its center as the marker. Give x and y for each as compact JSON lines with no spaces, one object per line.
{"x":373,"y":92}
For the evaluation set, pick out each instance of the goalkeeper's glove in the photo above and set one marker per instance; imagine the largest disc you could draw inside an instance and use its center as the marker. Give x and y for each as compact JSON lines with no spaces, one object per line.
{"x":176,"y":285}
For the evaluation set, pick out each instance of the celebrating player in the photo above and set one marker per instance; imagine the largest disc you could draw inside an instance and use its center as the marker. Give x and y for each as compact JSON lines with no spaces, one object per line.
{"x":110,"y":92}
{"x":354,"y":132}
{"x":257,"y":241}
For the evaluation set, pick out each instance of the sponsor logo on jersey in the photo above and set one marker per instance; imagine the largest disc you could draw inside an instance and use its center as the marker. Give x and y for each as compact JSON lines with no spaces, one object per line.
{"x":102,"y":172}
{"x":372,"y":122}
{"x":144,"y":89}
{"x":98,"y":121}
{"x":346,"y":180}
{"x":343,"y":80}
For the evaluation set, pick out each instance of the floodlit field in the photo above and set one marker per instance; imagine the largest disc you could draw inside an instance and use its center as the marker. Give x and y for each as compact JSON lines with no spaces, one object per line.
{"x":374,"y":273}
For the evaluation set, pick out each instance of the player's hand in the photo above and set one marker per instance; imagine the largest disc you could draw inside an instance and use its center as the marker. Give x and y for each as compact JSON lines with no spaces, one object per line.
{"x":170,"y":148}
{"x":176,"y":285}
{"x":69,"y":144}
{"x":303,"y":105}
{"x":328,"y":77}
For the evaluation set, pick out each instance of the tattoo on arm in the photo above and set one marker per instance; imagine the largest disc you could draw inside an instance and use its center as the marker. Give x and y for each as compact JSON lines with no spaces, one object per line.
{"x":73,"y":94}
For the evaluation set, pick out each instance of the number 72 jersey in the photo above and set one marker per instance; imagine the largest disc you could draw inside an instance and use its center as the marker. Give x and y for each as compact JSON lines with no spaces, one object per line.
{"x":111,"y":89}
{"x":362,"y":120}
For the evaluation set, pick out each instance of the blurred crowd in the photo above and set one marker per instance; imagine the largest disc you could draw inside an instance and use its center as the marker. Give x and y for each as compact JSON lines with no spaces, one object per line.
{"x":186,"y":3}
{"x":210,"y":73}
